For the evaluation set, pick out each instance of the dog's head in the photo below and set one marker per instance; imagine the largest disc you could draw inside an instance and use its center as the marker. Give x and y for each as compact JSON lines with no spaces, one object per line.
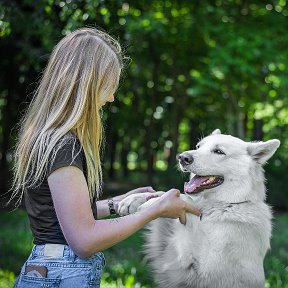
{"x":224,"y":167}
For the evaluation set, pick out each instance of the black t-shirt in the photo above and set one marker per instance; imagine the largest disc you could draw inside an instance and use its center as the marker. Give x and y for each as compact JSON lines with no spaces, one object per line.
{"x":38,"y":201}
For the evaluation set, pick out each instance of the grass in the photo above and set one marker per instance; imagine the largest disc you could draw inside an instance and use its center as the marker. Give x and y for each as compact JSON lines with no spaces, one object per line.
{"x":125,"y":267}
{"x":276,"y":261}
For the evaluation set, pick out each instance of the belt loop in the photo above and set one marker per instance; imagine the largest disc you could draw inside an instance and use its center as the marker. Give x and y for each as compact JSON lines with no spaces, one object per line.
{"x":69,"y":253}
{"x":33,"y":252}
{"x":73,"y":255}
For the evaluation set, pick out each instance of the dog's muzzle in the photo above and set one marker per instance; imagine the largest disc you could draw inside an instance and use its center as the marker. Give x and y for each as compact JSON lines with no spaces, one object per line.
{"x":185,"y":158}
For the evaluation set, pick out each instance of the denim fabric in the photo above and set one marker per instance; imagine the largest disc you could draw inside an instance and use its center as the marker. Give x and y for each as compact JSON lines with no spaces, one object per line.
{"x":68,"y":271}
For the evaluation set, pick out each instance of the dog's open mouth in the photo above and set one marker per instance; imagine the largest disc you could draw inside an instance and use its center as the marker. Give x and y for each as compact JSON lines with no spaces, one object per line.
{"x":200,"y":183}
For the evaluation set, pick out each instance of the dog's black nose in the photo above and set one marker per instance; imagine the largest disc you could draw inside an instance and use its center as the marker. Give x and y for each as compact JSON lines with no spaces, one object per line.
{"x":185,"y":158}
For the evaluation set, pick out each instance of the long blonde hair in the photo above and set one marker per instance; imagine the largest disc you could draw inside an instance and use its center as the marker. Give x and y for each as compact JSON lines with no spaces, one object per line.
{"x":83,"y":70}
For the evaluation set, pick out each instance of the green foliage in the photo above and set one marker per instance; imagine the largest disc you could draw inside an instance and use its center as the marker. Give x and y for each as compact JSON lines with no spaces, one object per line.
{"x":276,"y":261}
{"x":195,"y":66}
{"x":15,"y":240}
{"x":7,"y":279}
{"x":125,"y":266}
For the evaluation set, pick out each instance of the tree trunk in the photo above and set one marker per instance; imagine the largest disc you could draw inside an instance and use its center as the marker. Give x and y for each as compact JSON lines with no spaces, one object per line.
{"x":150,"y":130}
{"x":258,"y":130}
{"x":240,"y":125}
{"x":124,"y":154}
{"x":9,"y":111}
{"x":193,"y":133}
{"x":112,"y":153}
{"x":175,"y":121}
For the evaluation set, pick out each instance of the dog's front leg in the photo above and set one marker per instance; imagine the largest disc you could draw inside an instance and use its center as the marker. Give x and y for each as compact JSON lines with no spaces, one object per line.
{"x":137,"y":202}
{"x":148,"y":203}
{"x":154,"y":198}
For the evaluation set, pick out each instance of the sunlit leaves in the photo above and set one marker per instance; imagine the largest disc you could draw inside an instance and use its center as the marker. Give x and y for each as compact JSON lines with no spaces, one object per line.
{"x":191,"y":62}
{"x":5,"y":28}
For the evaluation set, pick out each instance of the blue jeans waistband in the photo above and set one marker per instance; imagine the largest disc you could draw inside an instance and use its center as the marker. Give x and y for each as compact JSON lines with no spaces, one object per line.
{"x":38,"y":250}
{"x":67,"y":252}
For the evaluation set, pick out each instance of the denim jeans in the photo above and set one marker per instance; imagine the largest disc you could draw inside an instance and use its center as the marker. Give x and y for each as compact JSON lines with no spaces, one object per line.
{"x":68,"y":271}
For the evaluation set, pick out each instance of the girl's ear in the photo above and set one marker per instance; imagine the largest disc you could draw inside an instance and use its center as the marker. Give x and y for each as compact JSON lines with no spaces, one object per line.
{"x":216,"y":132}
{"x":263,"y":151}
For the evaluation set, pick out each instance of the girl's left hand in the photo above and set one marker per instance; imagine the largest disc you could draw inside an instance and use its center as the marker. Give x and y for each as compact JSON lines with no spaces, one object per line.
{"x":139,"y":190}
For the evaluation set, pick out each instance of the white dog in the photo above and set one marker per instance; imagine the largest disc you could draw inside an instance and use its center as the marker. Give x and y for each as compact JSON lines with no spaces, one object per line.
{"x":227,"y":246}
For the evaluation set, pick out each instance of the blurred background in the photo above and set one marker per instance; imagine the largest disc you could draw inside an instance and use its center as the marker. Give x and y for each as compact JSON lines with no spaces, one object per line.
{"x":193,"y":66}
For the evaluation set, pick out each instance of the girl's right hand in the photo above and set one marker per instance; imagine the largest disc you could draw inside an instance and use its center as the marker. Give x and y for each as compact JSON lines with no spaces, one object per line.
{"x":170,"y":205}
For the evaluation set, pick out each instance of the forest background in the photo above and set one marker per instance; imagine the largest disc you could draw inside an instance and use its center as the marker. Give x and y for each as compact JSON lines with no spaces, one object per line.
{"x":193,"y":66}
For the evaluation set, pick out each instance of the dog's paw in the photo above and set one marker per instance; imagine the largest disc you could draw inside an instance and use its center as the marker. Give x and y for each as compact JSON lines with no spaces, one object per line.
{"x":131,"y":203}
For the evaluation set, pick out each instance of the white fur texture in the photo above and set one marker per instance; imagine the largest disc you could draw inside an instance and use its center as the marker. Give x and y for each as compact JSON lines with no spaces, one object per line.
{"x":226,"y":248}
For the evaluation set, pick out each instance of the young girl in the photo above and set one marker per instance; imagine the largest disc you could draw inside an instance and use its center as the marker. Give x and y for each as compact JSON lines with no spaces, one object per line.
{"x":57,"y":167}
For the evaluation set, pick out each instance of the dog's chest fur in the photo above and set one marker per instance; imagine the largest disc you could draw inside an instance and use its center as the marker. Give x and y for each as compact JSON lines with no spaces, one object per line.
{"x":229,"y":241}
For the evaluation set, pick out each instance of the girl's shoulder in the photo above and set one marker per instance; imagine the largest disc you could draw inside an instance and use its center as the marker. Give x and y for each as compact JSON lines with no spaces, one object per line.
{"x":66,"y":152}
{"x":68,"y":140}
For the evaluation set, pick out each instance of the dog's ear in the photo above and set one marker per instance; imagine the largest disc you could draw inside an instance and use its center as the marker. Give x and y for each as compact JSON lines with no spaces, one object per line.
{"x":263,"y":151}
{"x":216,"y":132}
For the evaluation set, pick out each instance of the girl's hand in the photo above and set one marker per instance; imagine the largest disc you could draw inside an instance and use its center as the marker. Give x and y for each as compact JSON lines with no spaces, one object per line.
{"x":140,"y":190}
{"x":170,"y":205}
{"x":131,"y":203}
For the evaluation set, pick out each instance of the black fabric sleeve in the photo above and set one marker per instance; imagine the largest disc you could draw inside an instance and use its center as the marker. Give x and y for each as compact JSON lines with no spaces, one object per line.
{"x":94,"y":209}
{"x":67,"y":152}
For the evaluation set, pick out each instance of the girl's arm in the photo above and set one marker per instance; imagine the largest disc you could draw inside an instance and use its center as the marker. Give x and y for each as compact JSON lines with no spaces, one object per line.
{"x":86,"y":235}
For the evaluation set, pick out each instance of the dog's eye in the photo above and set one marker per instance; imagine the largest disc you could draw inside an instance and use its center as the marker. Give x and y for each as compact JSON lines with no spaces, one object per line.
{"x":219,"y":152}
{"x":197,"y":146}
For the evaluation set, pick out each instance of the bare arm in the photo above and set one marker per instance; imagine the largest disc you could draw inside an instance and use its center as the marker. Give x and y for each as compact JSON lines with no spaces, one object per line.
{"x":102,"y":208}
{"x":86,"y":235}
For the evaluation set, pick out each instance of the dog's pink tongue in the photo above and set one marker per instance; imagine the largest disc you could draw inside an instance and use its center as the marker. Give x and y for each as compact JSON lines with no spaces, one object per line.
{"x":194,"y":183}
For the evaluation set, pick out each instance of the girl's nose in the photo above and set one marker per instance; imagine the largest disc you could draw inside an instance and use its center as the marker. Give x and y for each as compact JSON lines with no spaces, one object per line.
{"x":111,"y":99}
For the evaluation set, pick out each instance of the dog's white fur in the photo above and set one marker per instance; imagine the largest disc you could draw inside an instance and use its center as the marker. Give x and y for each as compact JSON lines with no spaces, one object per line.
{"x":226,"y":248}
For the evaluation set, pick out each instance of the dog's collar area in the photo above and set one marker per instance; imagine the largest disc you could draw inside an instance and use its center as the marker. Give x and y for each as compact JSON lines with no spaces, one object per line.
{"x":229,"y":206}
{"x":236,"y":203}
